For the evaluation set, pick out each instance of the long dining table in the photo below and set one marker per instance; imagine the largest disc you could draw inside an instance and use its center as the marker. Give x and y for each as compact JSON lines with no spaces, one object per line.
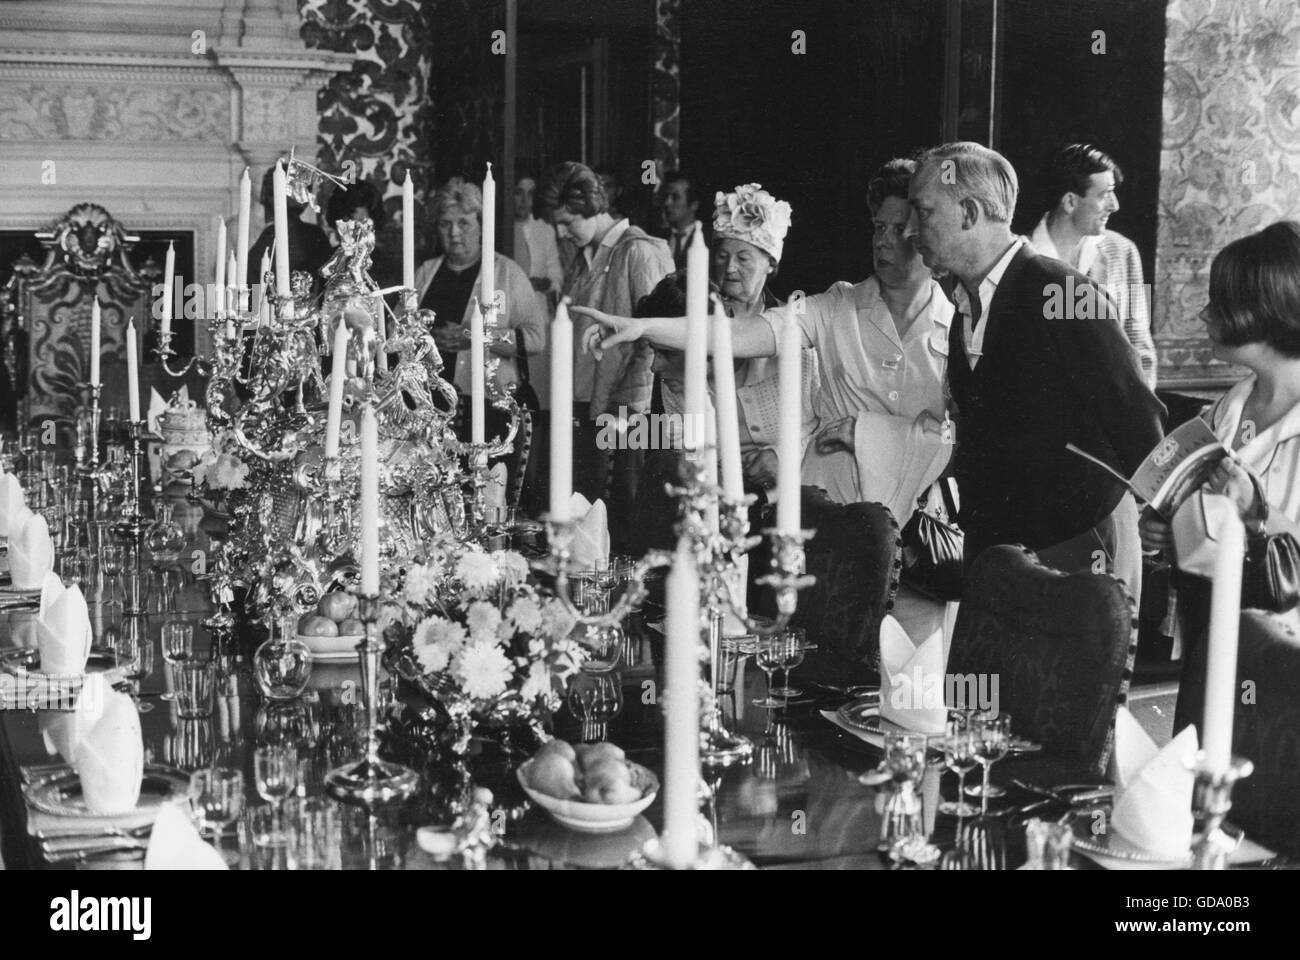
{"x":796,"y":803}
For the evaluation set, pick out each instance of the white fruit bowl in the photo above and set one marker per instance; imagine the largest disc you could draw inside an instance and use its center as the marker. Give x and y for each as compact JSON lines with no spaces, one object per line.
{"x":594,"y":817}
{"x":331,"y":646}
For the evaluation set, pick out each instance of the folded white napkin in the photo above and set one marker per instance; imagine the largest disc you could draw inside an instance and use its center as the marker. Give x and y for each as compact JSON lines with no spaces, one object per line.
{"x":912,"y":682}
{"x":157,"y":407}
{"x":31,"y":554}
{"x":63,"y":631}
{"x":174,"y":844}
{"x":13,"y":504}
{"x":1153,"y":789}
{"x":591,"y":542}
{"x":109,"y":749}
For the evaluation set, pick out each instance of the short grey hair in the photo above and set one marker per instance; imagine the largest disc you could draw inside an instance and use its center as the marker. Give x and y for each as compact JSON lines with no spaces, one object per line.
{"x":976,"y":172}
{"x":457,"y":192}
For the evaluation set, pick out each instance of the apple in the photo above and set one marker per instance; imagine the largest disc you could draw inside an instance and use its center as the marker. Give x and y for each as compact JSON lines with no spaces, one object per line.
{"x":351,"y":627}
{"x":337,"y":605}
{"x":591,"y":754}
{"x":554,"y":776}
{"x":609,"y":781}
{"x":314,"y":625}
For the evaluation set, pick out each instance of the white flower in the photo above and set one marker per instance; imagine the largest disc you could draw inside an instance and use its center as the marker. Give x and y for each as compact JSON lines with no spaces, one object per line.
{"x":514,"y":568}
{"x":421,"y":581}
{"x":483,"y":619}
{"x":526,"y":615}
{"x":228,"y":473}
{"x":538,"y":683}
{"x":483,"y":670}
{"x":557,"y":622}
{"x":477,"y":571}
{"x":436,"y":641}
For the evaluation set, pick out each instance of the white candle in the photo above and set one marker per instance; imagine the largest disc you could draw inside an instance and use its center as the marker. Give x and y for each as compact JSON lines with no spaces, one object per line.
{"x":132,"y":373}
{"x":408,"y":232}
{"x":1225,"y":620}
{"x":232,"y":273}
{"x":281,"y":200}
{"x":790,"y":443}
{"x":681,"y":720}
{"x":95,"y":324}
{"x":724,"y":389}
{"x":476,"y":375}
{"x":696,"y":387}
{"x":169,"y":271}
{"x":338,"y":373}
{"x":369,"y":502}
{"x":561,"y":426}
{"x":241,"y":245}
{"x":487,"y":271}
{"x":220,"y":283}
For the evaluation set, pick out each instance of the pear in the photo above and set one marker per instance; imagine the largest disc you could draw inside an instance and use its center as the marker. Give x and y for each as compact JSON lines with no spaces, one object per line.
{"x":591,"y":754}
{"x":609,"y":781}
{"x":554,"y":775}
{"x":559,"y":748}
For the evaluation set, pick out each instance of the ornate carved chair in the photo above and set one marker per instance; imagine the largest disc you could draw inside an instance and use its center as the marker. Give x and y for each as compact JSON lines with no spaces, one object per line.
{"x":47,"y":311}
{"x":1062,"y":648}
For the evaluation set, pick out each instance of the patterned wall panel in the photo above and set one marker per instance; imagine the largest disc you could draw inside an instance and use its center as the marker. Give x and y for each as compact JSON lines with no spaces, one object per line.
{"x":667,"y":82}
{"x":1230,"y":160}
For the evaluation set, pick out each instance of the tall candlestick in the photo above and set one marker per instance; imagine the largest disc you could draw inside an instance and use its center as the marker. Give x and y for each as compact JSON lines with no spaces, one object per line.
{"x":169,"y":271}
{"x":681,"y":720}
{"x":241,"y":245}
{"x":369,"y":502}
{"x":476,"y":375}
{"x":408,"y":232}
{"x":220,"y":283}
{"x":561,"y":421}
{"x":487,"y":270}
{"x":232,"y":293}
{"x":696,"y":387}
{"x":95,"y":334}
{"x":1225,"y":621}
{"x":132,"y":373}
{"x":281,"y":198}
{"x":790,"y":443}
{"x":338,"y":374}
{"x":724,"y":389}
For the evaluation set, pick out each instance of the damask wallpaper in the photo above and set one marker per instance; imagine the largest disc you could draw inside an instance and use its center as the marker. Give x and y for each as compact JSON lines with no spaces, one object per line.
{"x":1230,"y":160}
{"x":667,"y":83}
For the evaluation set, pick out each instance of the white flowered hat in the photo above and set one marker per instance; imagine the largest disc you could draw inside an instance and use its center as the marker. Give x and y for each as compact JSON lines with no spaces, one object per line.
{"x":752,"y":214}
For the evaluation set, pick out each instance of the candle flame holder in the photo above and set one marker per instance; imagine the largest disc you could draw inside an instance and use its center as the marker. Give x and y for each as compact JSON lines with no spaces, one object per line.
{"x":1211,"y":801}
{"x":371,"y":781}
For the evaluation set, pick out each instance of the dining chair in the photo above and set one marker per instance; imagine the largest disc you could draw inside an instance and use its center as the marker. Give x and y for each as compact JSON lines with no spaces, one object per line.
{"x":1266,"y":725}
{"x":1060,"y":647}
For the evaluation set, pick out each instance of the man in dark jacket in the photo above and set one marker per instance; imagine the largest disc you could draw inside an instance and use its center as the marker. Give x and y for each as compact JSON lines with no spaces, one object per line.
{"x":1036,"y":361}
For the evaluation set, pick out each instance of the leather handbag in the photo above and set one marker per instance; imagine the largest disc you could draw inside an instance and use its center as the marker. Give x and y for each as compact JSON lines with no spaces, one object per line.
{"x":1271,"y":577}
{"x":933,"y":544}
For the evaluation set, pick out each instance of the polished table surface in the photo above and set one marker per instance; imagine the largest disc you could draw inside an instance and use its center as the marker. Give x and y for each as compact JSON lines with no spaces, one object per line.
{"x":796,"y":804}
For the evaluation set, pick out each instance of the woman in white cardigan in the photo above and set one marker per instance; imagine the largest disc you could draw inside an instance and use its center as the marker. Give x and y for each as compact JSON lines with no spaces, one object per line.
{"x":449,"y":285}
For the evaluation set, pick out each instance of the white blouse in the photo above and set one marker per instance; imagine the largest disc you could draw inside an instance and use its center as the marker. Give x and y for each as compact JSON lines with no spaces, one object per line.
{"x":1272,"y":455}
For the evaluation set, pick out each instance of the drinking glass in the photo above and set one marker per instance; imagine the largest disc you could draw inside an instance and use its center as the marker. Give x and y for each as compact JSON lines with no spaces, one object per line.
{"x":959,"y":757}
{"x":992,"y":740}
{"x":595,"y":699}
{"x":217,"y":796}
{"x":134,"y":652}
{"x":903,"y":820}
{"x":769,"y":656}
{"x":275,"y":770}
{"x":270,"y":844}
{"x":135,"y":589}
{"x":74,"y":569}
{"x":316,"y":834}
{"x":110,"y":568}
{"x":194,"y":682}
{"x":191,"y":744}
{"x":177,"y":645}
{"x":792,"y":654}
{"x":1048,"y":845}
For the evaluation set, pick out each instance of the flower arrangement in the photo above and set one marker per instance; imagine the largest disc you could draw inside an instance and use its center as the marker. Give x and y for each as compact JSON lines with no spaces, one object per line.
{"x":221,"y":467}
{"x":489,"y":647}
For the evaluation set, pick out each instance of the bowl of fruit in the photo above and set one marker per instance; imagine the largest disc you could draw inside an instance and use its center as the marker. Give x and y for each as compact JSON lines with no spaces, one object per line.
{"x":591,"y":787}
{"x":334,"y":630}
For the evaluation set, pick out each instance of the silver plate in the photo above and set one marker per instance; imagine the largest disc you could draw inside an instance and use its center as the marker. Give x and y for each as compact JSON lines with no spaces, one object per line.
{"x":61,"y":796}
{"x":26,"y":661}
{"x":9,"y":590}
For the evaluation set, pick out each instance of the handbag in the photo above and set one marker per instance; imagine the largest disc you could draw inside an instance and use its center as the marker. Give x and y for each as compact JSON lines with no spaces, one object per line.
{"x":933,"y":544}
{"x":1270,"y":579}
{"x":524,"y":391}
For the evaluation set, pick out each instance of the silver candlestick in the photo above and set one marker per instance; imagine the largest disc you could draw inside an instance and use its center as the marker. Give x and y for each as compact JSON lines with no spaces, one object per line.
{"x":132,"y":524}
{"x":1211,"y":801}
{"x":371,"y":780}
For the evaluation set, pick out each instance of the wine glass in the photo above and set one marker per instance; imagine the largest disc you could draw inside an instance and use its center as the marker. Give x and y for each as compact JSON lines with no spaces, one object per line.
{"x":217,"y":796}
{"x":959,"y":757}
{"x":74,"y":569}
{"x":769,"y":656}
{"x":275,"y":772}
{"x":134,"y":651}
{"x":992,"y":740}
{"x":792,"y":654}
{"x":177,"y":645}
{"x":110,"y":566}
{"x":595,"y":699}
